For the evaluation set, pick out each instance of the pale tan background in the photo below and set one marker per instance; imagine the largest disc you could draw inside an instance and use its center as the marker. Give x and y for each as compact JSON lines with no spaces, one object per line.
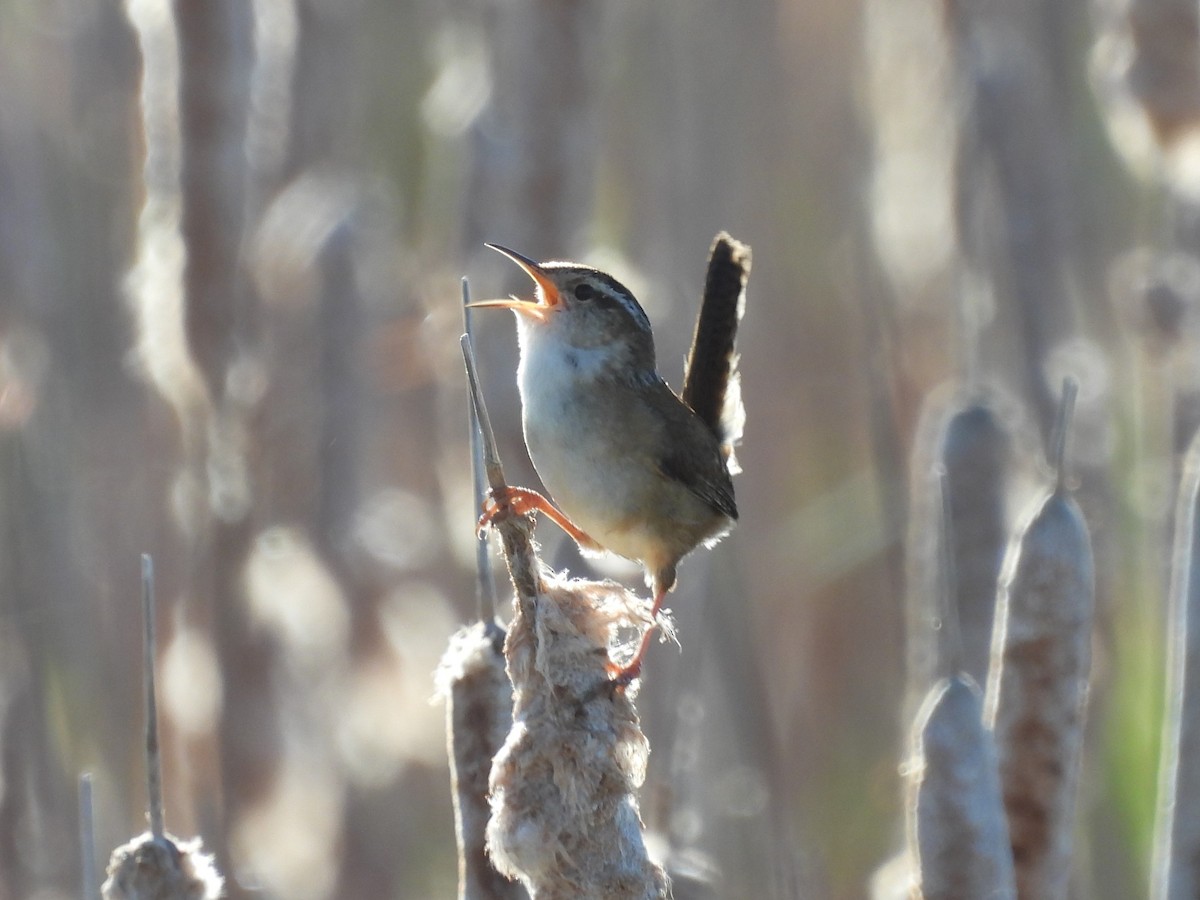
{"x":300,"y":474}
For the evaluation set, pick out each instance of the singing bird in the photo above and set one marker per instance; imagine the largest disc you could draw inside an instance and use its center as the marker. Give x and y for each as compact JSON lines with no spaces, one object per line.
{"x":633,"y":467}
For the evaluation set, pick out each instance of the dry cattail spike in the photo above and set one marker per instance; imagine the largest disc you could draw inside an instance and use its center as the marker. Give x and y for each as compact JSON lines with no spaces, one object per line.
{"x":149,"y":868}
{"x":976,"y":454}
{"x":1176,"y":871}
{"x":478,"y":696}
{"x":949,"y":631}
{"x":958,"y":836}
{"x":965,"y":438}
{"x":1037,"y":689}
{"x":564,"y":810}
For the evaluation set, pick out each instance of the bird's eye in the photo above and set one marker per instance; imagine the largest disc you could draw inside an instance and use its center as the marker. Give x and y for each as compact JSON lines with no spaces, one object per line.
{"x":585,"y":292}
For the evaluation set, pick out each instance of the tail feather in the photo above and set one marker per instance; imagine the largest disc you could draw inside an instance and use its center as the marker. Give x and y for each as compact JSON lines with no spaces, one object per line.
{"x":712,"y":384}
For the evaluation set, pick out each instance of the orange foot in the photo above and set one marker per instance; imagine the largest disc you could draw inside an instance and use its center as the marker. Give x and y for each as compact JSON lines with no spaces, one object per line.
{"x":515,"y":501}
{"x":633,"y":669}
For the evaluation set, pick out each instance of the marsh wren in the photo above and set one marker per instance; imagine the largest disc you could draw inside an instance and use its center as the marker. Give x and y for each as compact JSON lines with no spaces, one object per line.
{"x":634,"y":468}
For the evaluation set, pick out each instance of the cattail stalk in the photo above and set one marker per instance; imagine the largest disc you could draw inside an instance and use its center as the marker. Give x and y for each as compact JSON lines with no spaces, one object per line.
{"x":484,"y":470}
{"x":1037,"y":690}
{"x":1176,"y":871}
{"x":87,"y":839}
{"x":157,"y":865}
{"x":479,"y":698}
{"x":153,"y":753}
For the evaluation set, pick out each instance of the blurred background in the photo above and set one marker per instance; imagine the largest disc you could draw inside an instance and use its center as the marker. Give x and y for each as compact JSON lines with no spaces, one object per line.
{"x":231,"y":238}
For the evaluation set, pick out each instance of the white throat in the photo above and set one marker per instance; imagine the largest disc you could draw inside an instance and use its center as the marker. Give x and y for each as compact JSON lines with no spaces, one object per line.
{"x":548,"y":361}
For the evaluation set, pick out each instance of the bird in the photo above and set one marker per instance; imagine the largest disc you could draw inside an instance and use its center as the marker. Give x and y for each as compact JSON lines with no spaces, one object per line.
{"x":633,"y":468}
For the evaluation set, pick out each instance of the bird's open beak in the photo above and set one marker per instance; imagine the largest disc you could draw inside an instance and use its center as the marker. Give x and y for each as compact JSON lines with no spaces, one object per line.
{"x":547,"y":294}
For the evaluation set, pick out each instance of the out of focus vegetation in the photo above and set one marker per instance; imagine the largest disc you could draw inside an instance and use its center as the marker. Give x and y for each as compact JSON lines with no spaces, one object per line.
{"x":231,"y":235}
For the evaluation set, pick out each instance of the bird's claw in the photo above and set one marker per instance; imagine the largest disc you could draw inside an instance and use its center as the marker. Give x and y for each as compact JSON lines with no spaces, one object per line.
{"x":631,"y":671}
{"x":627,"y":675}
{"x":506,"y":502}
{"x":493,"y":509}
{"x":516,"y":501}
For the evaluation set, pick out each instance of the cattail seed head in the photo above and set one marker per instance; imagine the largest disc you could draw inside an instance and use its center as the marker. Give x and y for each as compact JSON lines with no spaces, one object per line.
{"x":162,"y":869}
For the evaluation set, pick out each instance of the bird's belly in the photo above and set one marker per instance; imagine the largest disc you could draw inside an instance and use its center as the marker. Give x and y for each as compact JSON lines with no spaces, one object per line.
{"x":571,"y":442}
{"x":617,"y":497}
{"x":584,"y":474}
{"x":597,"y":462}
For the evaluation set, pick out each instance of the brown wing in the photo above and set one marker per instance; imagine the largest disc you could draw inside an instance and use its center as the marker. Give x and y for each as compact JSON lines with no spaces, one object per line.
{"x":710,"y":483}
{"x":690,"y":455}
{"x":711,"y":385}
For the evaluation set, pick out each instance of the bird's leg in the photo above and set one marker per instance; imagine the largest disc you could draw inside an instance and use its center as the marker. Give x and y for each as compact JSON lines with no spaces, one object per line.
{"x":633,"y":669}
{"x":521,"y":502}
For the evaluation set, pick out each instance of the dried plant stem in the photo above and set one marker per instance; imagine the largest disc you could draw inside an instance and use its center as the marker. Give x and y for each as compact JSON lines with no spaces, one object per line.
{"x":485,"y":584}
{"x":491,"y":455}
{"x":478,"y":694}
{"x":516,"y":534}
{"x":1176,"y":870}
{"x":1062,"y":428}
{"x":1037,"y":689}
{"x":153,"y":754}
{"x":87,"y":839}
{"x":958,"y":835}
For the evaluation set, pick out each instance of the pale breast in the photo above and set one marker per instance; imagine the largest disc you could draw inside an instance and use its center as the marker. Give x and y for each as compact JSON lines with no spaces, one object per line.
{"x":578,"y":457}
{"x":593,"y":444}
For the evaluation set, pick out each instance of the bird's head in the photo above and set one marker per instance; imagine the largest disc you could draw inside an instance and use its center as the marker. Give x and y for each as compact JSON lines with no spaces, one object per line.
{"x":582,"y":306}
